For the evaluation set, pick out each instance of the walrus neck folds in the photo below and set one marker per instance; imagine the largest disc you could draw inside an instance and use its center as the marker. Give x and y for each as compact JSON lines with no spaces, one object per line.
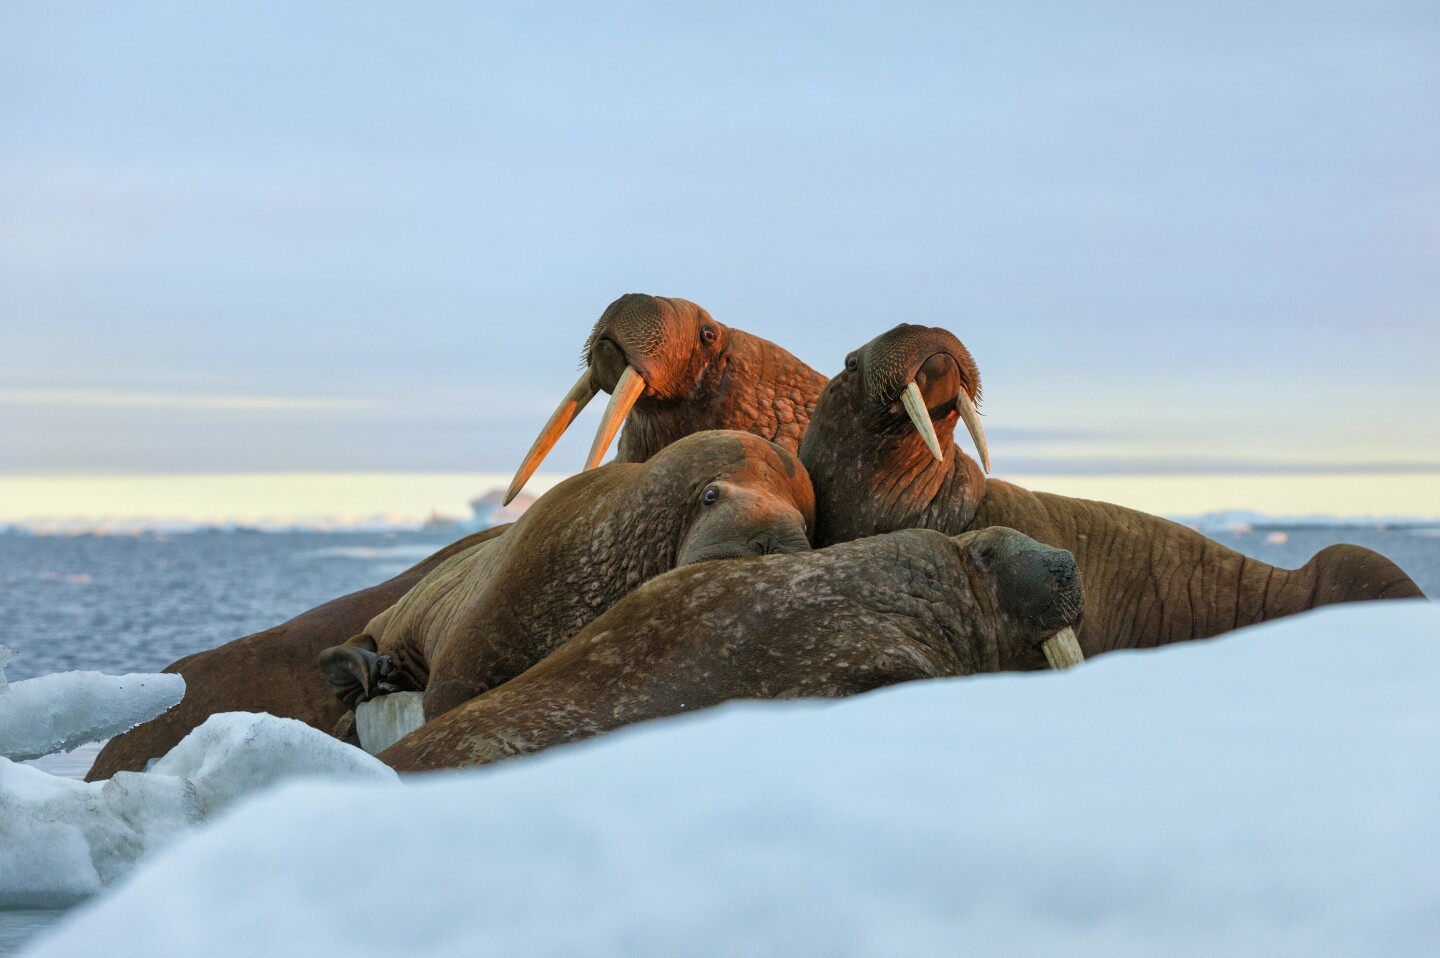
{"x":866,"y":486}
{"x":613,"y":541}
{"x":754,"y":386}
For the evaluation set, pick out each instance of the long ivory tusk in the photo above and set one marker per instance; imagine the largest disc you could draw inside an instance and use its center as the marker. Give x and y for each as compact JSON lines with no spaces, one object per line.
{"x":627,"y":389}
{"x":1062,"y":650}
{"x":580,"y":394}
{"x":920,"y":416}
{"x":971,"y":415}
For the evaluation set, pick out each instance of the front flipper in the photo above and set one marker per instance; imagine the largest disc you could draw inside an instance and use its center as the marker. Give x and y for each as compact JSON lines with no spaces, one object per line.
{"x":358,"y":675}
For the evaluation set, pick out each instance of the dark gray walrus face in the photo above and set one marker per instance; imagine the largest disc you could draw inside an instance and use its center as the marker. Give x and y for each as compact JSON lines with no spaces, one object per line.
{"x":1025,"y":590}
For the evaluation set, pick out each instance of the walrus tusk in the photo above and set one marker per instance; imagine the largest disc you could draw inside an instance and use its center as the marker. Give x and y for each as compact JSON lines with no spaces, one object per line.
{"x":920,"y":416}
{"x":1062,"y":650}
{"x":580,"y":394}
{"x":971,"y":415}
{"x":627,"y":389}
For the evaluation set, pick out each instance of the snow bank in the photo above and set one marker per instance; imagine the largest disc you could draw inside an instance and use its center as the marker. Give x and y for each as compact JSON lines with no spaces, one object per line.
{"x":58,"y":712}
{"x":62,"y":840}
{"x":1272,"y":792}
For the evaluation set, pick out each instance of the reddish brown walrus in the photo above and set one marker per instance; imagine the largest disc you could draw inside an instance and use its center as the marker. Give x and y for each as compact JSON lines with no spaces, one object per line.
{"x":672,"y":370}
{"x":699,"y":375}
{"x":909,"y":605}
{"x":272,"y":671}
{"x":880,"y":455}
{"x":488,"y":614}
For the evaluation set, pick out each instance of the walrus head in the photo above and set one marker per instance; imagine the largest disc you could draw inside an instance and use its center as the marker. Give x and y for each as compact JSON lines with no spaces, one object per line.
{"x":672,"y":370}
{"x":651,"y":348}
{"x":880,"y":446}
{"x":744,"y":496}
{"x":1030,"y":591}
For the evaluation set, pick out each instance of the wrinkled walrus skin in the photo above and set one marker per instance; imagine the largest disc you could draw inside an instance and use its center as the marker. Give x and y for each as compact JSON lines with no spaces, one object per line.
{"x":1148,"y":581}
{"x":488,"y":614}
{"x":839,"y":621}
{"x":271,"y":671}
{"x":690,"y":374}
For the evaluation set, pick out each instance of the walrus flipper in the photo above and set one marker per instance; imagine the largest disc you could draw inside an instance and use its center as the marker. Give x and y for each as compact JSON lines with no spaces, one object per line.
{"x":359,"y":674}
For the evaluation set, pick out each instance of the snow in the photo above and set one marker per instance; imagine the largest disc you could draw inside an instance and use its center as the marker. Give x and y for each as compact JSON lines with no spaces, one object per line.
{"x":1270,"y":792}
{"x":62,"y":840}
{"x":386,"y":719}
{"x":58,"y":712}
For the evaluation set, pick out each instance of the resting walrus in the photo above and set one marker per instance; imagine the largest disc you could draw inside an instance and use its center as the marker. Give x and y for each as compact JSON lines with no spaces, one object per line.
{"x":881,"y":456}
{"x":698,"y":380}
{"x":271,"y":671}
{"x":833,"y":622}
{"x":672,"y":370}
{"x":488,"y":614}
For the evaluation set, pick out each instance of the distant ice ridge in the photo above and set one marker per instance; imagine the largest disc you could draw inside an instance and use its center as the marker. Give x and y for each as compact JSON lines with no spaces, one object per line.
{"x":62,"y":840}
{"x":1270,"y":792}
{"x":56,"y":713}
{"x":1243,"y":520}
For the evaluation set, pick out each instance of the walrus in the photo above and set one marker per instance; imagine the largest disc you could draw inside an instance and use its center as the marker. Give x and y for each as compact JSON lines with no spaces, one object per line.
{"x":700,"y":375}
{"x":489,"y":613}
{"x":833,"y":622}
{"x":881,"y":456}
{"x":672,"y":370}
{"x":271,"y":671}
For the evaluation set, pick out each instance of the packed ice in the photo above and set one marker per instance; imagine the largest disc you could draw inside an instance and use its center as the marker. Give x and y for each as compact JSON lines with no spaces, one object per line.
{"x":62,"y":840}
{"x":386,"y":719}
{"x":1269,"y":792}
{"x":56,"y":713}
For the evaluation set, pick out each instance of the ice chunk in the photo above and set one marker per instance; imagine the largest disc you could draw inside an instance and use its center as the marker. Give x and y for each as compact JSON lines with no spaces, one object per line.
{"x":62,"y":840}
{"x":6,"y":654}
{"x":1271,"y":792}
{"x":386,"y":719}
{"x":236,"y":753}
{"x":58,"y":712}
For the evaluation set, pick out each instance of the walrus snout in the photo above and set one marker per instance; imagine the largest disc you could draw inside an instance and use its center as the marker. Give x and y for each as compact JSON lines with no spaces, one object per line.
{"x":1036,"y":583}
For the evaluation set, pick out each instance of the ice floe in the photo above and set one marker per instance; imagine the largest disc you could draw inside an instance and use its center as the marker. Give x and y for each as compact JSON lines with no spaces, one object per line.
{"x":62,"y":840}
{"x":55,"y":713}
{"x":1270,"y":792}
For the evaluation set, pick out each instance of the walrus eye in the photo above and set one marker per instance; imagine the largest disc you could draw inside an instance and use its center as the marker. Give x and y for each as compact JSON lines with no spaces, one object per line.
{"x":707,"y":335}
{"x":852,"y":363}
{"x":710,"y":496}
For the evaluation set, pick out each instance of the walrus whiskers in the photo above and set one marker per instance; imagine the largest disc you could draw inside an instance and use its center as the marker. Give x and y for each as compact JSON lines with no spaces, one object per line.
{"x":575,"y":400}
{"x":627,"y":390}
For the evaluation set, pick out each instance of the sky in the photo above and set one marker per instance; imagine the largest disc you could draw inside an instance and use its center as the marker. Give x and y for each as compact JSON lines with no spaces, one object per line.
{"x":352,"y":237}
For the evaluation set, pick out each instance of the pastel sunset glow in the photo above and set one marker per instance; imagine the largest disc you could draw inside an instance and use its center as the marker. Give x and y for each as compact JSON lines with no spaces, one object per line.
{"x":254,"y":273}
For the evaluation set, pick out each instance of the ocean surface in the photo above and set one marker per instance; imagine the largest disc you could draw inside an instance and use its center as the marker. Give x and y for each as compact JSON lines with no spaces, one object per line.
{"x":137,"y":603}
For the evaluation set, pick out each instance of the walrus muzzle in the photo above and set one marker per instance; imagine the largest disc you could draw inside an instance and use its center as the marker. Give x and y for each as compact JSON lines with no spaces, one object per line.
{"x":627,"y":390}
{"x":920,"y":416}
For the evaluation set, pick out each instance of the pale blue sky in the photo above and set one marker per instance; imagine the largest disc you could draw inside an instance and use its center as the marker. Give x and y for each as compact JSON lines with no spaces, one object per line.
{"x":348,"y":236}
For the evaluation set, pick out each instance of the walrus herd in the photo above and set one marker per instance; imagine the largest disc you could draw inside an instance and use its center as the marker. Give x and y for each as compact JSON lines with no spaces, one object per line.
{"x":764,"y":532}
